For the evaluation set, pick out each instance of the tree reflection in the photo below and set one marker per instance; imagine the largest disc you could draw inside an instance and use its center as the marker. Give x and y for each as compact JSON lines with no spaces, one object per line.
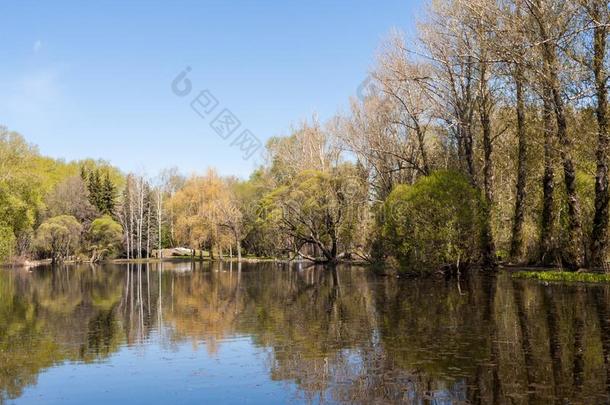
{"x":339,"y":335}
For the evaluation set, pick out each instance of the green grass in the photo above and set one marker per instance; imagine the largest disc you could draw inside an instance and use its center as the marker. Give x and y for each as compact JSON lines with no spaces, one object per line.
{"x":564,"y":276}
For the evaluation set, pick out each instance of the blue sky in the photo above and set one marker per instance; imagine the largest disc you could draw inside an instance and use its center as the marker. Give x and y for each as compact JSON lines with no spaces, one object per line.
{"x":93,"y":79}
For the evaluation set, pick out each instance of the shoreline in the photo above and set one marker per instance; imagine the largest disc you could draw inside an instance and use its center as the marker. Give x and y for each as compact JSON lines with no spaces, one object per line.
{"x":531,"y":272}
{"x":47,"y":262}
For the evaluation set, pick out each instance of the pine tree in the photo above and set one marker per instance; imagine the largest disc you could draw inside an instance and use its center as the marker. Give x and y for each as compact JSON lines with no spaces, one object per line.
{"x":93,"y":185}
{"x":83,"y":174}
{"x":108,"y":194}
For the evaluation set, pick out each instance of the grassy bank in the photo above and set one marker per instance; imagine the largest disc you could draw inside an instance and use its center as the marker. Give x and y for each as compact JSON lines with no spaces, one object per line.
{"x":564,"y":276}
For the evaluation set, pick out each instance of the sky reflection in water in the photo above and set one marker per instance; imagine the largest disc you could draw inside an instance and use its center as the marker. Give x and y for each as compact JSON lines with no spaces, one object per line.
{"x":269,"y":333}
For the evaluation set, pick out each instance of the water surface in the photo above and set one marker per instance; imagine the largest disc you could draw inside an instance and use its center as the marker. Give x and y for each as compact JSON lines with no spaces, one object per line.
{"x":268,"y":333}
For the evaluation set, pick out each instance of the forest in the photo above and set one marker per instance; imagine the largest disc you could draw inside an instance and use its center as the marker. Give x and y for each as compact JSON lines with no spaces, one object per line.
{"x":483,"y":140}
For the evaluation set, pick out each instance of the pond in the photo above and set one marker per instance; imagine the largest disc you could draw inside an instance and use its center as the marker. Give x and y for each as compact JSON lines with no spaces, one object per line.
{"x":270,"y":333}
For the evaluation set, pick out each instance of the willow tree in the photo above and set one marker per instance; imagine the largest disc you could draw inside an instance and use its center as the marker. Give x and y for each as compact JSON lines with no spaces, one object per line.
{"x":205,"y":214}
{"x":104,"y":236}
{"x":59,"y":237}
{"x":231,"y":216}
{"x":321,"y":210}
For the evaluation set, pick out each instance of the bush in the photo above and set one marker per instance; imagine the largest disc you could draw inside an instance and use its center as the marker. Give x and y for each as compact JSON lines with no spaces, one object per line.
{"x":58,"y":237}
{"x":7,"y":243}
{"x":105,"y":236}
{"x":433,"y":223}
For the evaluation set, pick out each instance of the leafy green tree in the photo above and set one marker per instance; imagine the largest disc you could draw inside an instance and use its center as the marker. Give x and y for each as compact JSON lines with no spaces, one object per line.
{"x":434,"y":222}
{"x":260,"y":237}
{"x":105,"y":236}
{"x":319,"y":210}
{"x":59,"y":237}
{"x":20,"y":184}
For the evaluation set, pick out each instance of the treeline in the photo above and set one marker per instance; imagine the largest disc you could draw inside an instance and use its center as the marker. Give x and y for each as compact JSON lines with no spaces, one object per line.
{"x":48,"y":207}
{"x":484,"y":139}
{"x":513,"y":96}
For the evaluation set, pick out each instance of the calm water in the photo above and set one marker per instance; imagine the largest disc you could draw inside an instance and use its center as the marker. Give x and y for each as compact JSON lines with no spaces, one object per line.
{"x":186,"y":333}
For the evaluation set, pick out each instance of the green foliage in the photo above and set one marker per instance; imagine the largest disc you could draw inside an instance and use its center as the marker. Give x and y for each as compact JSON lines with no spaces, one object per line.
{"x":102,"y":191}
{"x":259,"y":237}
{"x":103,"y":167}
{"x":34,"y":187}
{"x":21,"y":183}
{"x":319,"y":209}
{"x":433,"y":223}
{"x":585,"y":189}
{"x":58,"y":237}
{"x":105,"y":236}
{"x":7,"y":243}
{"x":564,"y":276}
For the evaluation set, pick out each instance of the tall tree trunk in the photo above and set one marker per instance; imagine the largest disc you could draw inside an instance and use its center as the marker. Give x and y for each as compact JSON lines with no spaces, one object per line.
{"x":140,"y":217}
{"x":573,"y":250}
{"x":131,"y":192}
{"x":547,"y":226}
{"x":516,"y":246}
{"x":126,"y":226}
{"x":421,"y":143}
{"x":469,"y":153}
{"x":160,"y":223}
{"x":148,"y":232}
{"x":599,"y":234}
{"x":485,"y":105}
{"x":238,"y":245}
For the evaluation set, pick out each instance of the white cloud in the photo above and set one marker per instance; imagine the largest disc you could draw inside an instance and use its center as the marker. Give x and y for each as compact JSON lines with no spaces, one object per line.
{"x":37,"y":46}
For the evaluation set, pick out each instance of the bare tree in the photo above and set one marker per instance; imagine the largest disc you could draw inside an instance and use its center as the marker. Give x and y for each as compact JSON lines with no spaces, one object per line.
{"x":551,"y":22}
{"x":596,"y":19}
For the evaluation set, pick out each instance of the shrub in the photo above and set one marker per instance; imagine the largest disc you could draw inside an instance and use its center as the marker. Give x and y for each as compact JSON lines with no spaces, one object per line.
{"x":7,"y":243}
{"x":105,"y":236}
{"x":433,"y":223}
{"x":59,"y":237}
